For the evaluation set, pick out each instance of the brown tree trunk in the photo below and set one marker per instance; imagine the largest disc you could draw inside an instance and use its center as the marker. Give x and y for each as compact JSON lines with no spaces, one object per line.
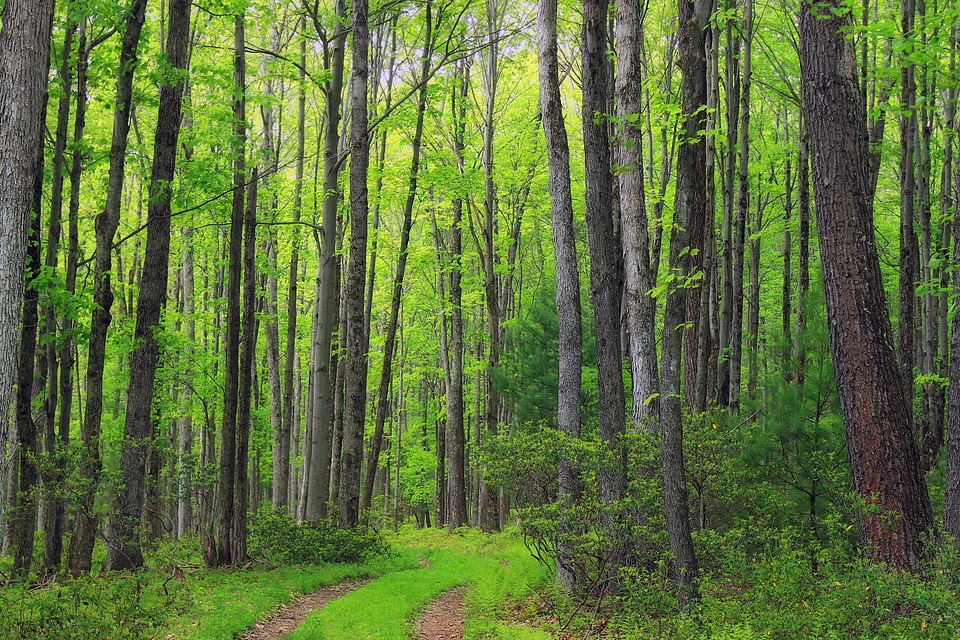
{"x":23,"y":517}
{"x":54,"y":510}
{"x":606,"y":274}
{"x":689,"y":185}
{"x":226,"y":488}
{"x":884,"y":462}
{"x":123,"y":536}
{"x":248,"y":343}
{"x":318,"y":474}
{"x":355,"y":361}
{"x":85,"y":524}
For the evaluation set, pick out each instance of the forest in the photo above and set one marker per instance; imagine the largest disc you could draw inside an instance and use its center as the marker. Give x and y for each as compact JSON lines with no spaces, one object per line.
{"x":624,"y":319}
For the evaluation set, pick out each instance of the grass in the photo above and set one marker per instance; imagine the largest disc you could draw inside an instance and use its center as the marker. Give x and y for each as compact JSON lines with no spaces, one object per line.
{"x":207,"y":605}
{"x":220,"y":604}
{"x":496,"y":569}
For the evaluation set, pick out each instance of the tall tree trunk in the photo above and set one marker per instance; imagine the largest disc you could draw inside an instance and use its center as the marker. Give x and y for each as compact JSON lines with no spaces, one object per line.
{"x":786,"y":293}
{"x":85,"y":524}
{"x":248,"y":343}
{"x":638,"y":272}
{"x":909,"y":258}
{"x":67,"y":345}
{"x":123,"y":536}
{"x":692,"y":22}
{"x":355,"y":361}
{"x":185,"y":461}
{"x":456,"y":440}
{"x":489,"y":510}
{"x":884,"y":462}
{"x":23,"y":517}
{"x":24,"y":57}
{"x":803,"y":247}
{"x":386,"y":371}
{"x":226,"y":487}
{"x":54,"y":510}
{"x":569,"y":328}
{"x":727,"y":252}
{"x":281,"y":456}
{"x":322,"y":394}
{"x":741,"y":219}
{"x":951,"y":515}
{"x":606,"y":274}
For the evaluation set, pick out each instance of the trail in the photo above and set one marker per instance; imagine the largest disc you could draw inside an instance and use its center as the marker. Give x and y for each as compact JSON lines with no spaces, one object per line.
{"x":443,"y":618}
{"x":288,"y":617}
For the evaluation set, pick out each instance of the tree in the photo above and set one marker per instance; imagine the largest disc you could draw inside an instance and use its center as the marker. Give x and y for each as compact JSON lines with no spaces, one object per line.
{"x":85,"y":524}
{"x":606,"y":267}
{"x":693,"y":20}
{"x":26,"y":28}
{"x":229,"y":458}
{"x":124,"y":533}
{"x":355,"y":382}
{"x":884,"y":461}
{"x":565,"y":256}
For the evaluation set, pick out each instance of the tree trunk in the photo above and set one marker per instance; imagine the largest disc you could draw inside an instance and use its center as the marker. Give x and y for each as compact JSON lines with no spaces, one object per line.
{"x":740,"y":220}
{"x":226,"y":488}
{"x":185,"y":462}
{"x":317,"y":474}
{"x":124,"y":533}
{"x":489,"y":511}
{"x":569,"y":328}
{"x":238,"y":538}
{"x":884,"y":462}
{"x":689,"y":182}
{"x":85,"y":524}
{"x":638,"y":272}
{"x":281,"y":455}
{"x":606,"y":274}
{"x":54,"y":509}
{"x":909,"y":259}
{"x":24,"y":57}
{"x":355,"y":361}
{"x":23,"y":517}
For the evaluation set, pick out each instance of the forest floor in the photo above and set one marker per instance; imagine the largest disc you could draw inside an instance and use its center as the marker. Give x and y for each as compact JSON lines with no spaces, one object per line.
{"x":288,"y":617}
{"x":443,"y":618}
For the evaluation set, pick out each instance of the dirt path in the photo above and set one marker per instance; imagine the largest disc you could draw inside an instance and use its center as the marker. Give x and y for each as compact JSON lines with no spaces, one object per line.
{"x":289,"y":617}
{"x":443,"y":619}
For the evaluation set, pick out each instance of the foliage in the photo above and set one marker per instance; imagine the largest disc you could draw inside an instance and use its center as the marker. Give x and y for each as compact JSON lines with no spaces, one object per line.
{"x":792,"y":588}
{"x":279,"y":539}
{"x":527,"y":376}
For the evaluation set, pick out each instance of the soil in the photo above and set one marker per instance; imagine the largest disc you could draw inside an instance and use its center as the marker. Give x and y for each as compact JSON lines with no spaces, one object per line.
{"x":288,"y":617}
{"x":443,"y":618}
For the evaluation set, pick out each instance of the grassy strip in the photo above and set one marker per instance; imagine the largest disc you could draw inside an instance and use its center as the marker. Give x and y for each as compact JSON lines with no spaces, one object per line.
{"x":227,"y":603}
{"x":498,"y":570}
{"x":207,"y":605}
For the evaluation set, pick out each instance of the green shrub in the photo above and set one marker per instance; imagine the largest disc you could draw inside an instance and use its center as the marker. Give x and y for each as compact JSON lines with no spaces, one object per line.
{"x":279,"y":539}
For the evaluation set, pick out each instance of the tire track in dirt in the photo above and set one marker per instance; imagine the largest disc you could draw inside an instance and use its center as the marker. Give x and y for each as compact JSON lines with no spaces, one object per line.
{"x":443,"y":618}
{"x":288,"y":617}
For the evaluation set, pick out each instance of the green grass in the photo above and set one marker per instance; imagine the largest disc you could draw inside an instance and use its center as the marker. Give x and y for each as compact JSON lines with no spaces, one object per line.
{"x":228,"y":602}
{"x":494,"y":571}
{"x":207,"y":605}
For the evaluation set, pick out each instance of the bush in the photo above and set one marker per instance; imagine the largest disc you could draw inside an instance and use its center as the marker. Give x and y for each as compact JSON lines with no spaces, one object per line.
{"x":279,"y":539}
